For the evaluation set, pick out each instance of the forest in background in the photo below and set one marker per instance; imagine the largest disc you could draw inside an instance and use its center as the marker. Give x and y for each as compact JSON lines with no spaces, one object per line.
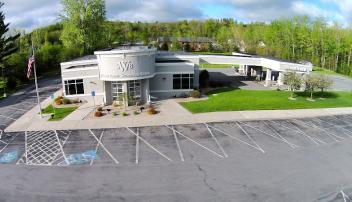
{"x":294,"y":39}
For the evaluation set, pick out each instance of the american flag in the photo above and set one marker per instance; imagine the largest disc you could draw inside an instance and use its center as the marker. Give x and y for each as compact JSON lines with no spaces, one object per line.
{"x":31,"y":61}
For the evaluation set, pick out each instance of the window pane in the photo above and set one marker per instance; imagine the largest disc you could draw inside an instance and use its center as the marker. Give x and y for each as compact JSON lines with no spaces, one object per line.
{"x":185,"y":83}
{"x":177,"y":75}
{"x":177,"y":83}
{"x":80,"y":88}
{"x":191,"y":83}
{"x":72,"y":81}
{"x":66,"y":90}
{"x":72,"y":89}
{"x":79,"y":81}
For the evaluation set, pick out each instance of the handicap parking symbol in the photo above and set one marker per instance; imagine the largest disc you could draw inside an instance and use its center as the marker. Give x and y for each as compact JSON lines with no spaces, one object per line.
{"x":82,"y":158}
{"x":9,"y":157}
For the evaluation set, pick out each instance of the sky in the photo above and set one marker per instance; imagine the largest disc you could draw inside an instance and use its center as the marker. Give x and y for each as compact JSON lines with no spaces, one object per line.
{"x":30,"y":14}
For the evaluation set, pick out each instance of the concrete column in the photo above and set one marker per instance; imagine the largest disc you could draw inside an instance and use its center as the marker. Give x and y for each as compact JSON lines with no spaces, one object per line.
{"x":280,"y":80}
{"x":268,"y":77}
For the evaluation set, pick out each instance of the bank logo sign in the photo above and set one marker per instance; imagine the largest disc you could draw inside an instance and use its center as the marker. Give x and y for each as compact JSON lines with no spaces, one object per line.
{"x":125,"y":65}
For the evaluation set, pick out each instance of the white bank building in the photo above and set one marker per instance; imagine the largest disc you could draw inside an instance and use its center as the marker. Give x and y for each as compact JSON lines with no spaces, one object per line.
{"x":139,"y":73}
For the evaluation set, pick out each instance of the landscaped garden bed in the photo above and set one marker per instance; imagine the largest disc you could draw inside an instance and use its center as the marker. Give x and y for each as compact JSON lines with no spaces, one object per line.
{"x":58,"y":113}
{"x":230,"y":99}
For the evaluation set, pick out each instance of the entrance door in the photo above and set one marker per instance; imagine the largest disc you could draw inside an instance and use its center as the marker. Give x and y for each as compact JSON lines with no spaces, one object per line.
{"x":117,"y":91}
{"x":134,"y":92}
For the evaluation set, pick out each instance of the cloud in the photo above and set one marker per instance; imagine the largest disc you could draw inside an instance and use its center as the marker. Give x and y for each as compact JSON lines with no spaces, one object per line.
{"x":28,"y":14}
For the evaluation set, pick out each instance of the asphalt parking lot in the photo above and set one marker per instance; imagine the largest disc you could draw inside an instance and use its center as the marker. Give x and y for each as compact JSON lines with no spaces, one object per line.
{"x":273,"y":160}
{"x":22,"y":101}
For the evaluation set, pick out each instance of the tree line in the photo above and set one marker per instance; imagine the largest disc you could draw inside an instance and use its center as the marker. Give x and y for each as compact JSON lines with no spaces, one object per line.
{"x":84,"y":28}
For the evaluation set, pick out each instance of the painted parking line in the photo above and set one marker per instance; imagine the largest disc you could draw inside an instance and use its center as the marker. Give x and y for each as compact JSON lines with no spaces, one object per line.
{"x":7,"y":117}
{"x":299,"y":131}
{"x":235,"y":138}
{"x":339,"y":127}
{"x":245,"y":132}
{"x":17,"y":109}
{"x":7,"y":144}
{"x":149,"y":145}
{"x":293,"y":146}
{"x":216,"y":141}
{"x":195,"y":142}
{"x":61,"y":148}
{"x":177,"y":144}
{"x":331,"y":135}
{"x":102,"y":145}
{"x":57,"y":157}
{"x":97,"y":147}
{"x":42,"y":148}
{"x":345,"y":196}
{"x":137,"y":146}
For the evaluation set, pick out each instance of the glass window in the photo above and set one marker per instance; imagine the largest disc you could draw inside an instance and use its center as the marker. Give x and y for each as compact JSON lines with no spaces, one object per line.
{"x":74,"y":87}
{"x":177,"y":81}
{"x":183,"y":81}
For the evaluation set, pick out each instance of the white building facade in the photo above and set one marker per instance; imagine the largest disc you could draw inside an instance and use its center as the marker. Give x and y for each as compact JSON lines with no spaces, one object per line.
{"x":135,"y":74}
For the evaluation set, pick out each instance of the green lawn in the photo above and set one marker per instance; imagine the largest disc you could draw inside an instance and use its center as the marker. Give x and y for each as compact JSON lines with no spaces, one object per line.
{"x":242,"y":100}
{"x":60,"y":113}
{"x":217,"y":66}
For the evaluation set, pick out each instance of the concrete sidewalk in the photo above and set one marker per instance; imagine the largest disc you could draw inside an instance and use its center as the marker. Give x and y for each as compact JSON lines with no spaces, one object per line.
{"x":171,"y":113}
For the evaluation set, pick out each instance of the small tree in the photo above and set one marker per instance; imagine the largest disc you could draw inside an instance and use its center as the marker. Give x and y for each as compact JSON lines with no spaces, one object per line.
{"x":324,"y":82}
{"x":311,"y":82}
{"x":293,"y":81}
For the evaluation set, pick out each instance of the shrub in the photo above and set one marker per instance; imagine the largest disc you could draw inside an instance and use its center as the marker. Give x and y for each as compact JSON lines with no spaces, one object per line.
{"x":114,"y":113}
{"x":66,"y":101}
{"x":195,"y":94}
{"x":151,"y":110}
{"x":124,"y":114}
{"x":100,"y":109}
{"x":136,"y":113}
{"x":98,"y":114}
{"x":58,"y":101}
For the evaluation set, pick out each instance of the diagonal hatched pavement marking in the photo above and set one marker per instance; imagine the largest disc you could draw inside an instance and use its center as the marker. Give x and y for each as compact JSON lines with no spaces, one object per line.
{"x":43,"y":147}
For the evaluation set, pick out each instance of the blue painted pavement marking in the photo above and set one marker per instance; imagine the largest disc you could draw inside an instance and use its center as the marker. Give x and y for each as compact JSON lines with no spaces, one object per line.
{"x":82,"y":158}
{"x":9,"y":157}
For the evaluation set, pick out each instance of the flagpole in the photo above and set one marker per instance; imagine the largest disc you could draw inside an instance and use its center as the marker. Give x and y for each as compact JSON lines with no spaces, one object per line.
{"x":36,"y":82}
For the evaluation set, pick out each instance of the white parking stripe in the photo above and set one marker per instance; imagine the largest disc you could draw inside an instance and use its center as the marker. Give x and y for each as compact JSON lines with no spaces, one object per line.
{"x":62,"y":150}
{"x":7,"y":117}
{"x":178,"y":144}
{"x":314,"y":140}
{"x":137,"y":146}
{"x":278,"y":134}
{"x":149,"y":145}
{"x":17,"y":109}
{"x":281,"y":138}
{"x":102,"y":145}
{"x":233,"y":137}
{"x":97,"y":147}
{"x":195,"y":142}
{"x":345,"y":196}
{"x":339,"y":127}
{"x":245,"y":132}
{"x":25,"y":146}
{"x":331,"y":135}
{"x":8,"y":144}
{"x":216,"y":141}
